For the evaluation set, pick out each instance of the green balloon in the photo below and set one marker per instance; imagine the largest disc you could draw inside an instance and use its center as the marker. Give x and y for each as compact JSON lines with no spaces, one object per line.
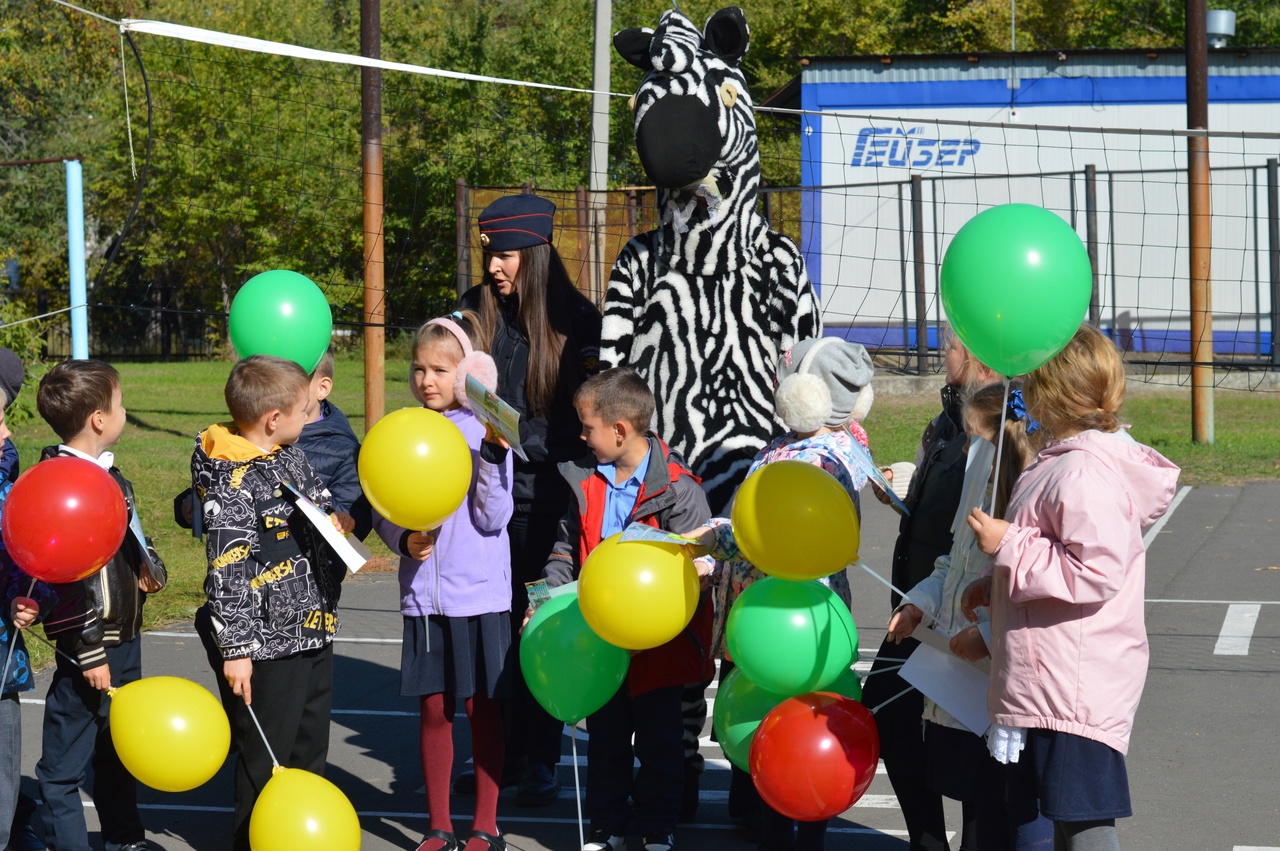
{"x":284,"y":314}
{"x":1016,"y":283}
{"x":791,"y":637}
{"x":570,"y":670}
{"x":848,"y":684}
{"x":740,"y":707}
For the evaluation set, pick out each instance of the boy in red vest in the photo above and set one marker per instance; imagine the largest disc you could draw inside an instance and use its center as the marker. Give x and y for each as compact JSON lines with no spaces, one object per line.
{"x":631,"y":476}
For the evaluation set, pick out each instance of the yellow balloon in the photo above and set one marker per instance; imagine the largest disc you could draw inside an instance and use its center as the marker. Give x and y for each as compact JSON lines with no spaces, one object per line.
{"x":639,"y":594}
{"x":171,"y":733}
{"x":793,"y":520}
{"x":297,"y":810}
{"x":415,"y":468}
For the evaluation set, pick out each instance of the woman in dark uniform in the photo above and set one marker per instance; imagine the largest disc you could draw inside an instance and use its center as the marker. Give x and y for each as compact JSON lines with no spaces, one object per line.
{"x":544,"y":336}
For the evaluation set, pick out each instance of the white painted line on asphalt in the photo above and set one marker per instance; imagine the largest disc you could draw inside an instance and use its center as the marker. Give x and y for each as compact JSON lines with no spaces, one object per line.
{"x":386,"y":713}
{"x":1164,"y":518}
{"x":1222,"y":602}
{"x":1255,"y":848}
{"x":508,"y":817}
{"x":1237,"y":630}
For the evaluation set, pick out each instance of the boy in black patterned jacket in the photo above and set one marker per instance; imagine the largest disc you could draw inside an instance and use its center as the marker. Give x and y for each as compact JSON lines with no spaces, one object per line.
{"x":97,"y":622}
{"x":273,"y":592}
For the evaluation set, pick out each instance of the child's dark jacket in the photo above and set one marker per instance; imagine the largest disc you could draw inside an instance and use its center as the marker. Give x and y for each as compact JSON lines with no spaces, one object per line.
{"x":270,"y":584}
{"x":332,"y":448}
{"x":105,"y":609}
{"x":670,"y":498}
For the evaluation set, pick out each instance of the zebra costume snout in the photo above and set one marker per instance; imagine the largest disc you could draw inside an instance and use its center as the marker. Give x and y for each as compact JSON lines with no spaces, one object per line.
{"x":678,"y":141}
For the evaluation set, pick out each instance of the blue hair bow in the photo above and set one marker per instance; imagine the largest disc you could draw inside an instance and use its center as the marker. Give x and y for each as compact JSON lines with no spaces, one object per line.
{"x":1018,"y":409}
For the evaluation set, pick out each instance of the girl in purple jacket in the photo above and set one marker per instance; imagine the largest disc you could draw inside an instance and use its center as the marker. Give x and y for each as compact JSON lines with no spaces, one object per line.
{"x":455,"y":591}
{"x":1065,"y":590}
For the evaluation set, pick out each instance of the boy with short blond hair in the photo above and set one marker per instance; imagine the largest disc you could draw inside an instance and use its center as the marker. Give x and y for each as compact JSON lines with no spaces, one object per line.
{"x":628,"y":476}
{"x":272,"y":591}
{"x":96,"y":623}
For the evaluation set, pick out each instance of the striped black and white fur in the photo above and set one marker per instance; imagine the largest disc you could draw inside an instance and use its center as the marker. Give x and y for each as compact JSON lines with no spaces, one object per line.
{"x":704,"y":306}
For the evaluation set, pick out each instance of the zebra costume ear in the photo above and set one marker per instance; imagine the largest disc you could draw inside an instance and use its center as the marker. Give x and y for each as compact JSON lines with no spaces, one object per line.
{"x":726,"y":35}
{"x":633,"y":45}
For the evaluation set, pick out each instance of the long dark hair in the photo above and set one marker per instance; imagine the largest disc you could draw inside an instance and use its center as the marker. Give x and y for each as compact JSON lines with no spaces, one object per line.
{"x":547,"y":299}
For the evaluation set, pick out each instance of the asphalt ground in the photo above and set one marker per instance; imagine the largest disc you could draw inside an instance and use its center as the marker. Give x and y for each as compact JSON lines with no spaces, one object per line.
{"x":1203,"y":763}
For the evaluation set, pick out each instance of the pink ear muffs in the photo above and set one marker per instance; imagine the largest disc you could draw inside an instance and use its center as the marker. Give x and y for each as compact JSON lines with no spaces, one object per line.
{"x":482,"y":367}
{"x":479,"y":364}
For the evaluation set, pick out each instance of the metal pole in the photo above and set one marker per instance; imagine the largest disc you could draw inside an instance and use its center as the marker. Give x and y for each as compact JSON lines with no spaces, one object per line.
{"x":917,"y":249}
{"x":1091,"y":239}
{"x":75,"y":261}
{"x":599,"y":178}
{"x":1273,"y":252}
{"x":371,"y":145}
{"x":1200,"y":227}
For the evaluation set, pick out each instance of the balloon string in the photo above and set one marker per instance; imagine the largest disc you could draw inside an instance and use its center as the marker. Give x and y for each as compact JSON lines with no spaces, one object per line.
{"x":892,"y":587}
{"x":13,"y":643}
{"x":73,"y":660}
{"x":995,"y":476}
{"x":885,"y":670}
{"x":577,"y":786}
{"x":892,"y":699}
{"x":275,"y":763}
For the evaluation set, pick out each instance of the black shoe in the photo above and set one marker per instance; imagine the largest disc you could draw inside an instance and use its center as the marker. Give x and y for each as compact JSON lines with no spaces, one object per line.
{"x":659,"y":842}
{"x":539,"y":786}
{"x":602,"y":840}
{"x":24,"y":838}
{"x":495,"y":843}
{"x":451,"y":842}
{"x":142,"y":845}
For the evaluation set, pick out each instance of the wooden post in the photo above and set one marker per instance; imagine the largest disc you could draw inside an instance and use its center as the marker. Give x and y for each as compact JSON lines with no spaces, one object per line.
{"x":462,"y":237}
{"x":1201,"y":237}
{"x":374,"y":293}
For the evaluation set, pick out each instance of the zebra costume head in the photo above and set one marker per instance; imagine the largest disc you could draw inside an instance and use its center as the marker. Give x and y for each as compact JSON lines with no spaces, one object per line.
{"x":696,"y":137}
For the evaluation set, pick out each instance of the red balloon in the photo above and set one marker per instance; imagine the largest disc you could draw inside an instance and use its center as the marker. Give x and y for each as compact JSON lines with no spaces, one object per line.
{"x":814,"y":755}
{"x":64,"y":519}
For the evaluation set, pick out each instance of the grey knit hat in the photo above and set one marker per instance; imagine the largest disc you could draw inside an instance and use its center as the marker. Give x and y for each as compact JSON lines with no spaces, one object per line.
{"x":11,"y":375}
{"x":823,"y":381}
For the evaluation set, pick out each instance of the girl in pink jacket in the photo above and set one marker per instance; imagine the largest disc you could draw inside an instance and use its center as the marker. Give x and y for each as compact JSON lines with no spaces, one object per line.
{"x":1065,"y":591}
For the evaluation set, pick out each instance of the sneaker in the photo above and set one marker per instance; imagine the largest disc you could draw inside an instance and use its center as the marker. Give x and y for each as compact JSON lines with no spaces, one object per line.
{"x":659,"y":842}
{"x":539,"y":787}
{"x":602,"y":840}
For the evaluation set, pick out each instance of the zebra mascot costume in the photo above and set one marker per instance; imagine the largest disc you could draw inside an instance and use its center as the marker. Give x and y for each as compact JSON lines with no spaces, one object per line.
{"x":704,"y":306}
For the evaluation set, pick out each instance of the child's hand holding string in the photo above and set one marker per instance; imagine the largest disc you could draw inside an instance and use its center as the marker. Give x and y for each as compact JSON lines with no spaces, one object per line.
{"x":977,"y":595}
{"x":23,"y":611}
{"x":987,"y":530}
{"x":419,"y":545}
{"x":969,"y":645}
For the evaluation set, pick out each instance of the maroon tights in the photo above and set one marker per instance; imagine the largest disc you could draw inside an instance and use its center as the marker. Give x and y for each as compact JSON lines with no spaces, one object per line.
{"x":437,"y":712}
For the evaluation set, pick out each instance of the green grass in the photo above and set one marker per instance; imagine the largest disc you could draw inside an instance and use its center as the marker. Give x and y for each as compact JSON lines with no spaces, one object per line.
{"x":169,"y":403}
{"x":1246,"y":433}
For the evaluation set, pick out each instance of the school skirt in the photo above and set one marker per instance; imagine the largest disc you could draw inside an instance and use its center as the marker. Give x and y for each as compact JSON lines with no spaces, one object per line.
{"x":458,"y":656}
{"x":1078,"y":779}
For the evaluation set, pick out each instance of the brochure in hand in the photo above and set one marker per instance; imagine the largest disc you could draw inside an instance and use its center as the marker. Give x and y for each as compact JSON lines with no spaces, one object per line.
{"x":492,"y":411}
{"x":351,"y":551}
